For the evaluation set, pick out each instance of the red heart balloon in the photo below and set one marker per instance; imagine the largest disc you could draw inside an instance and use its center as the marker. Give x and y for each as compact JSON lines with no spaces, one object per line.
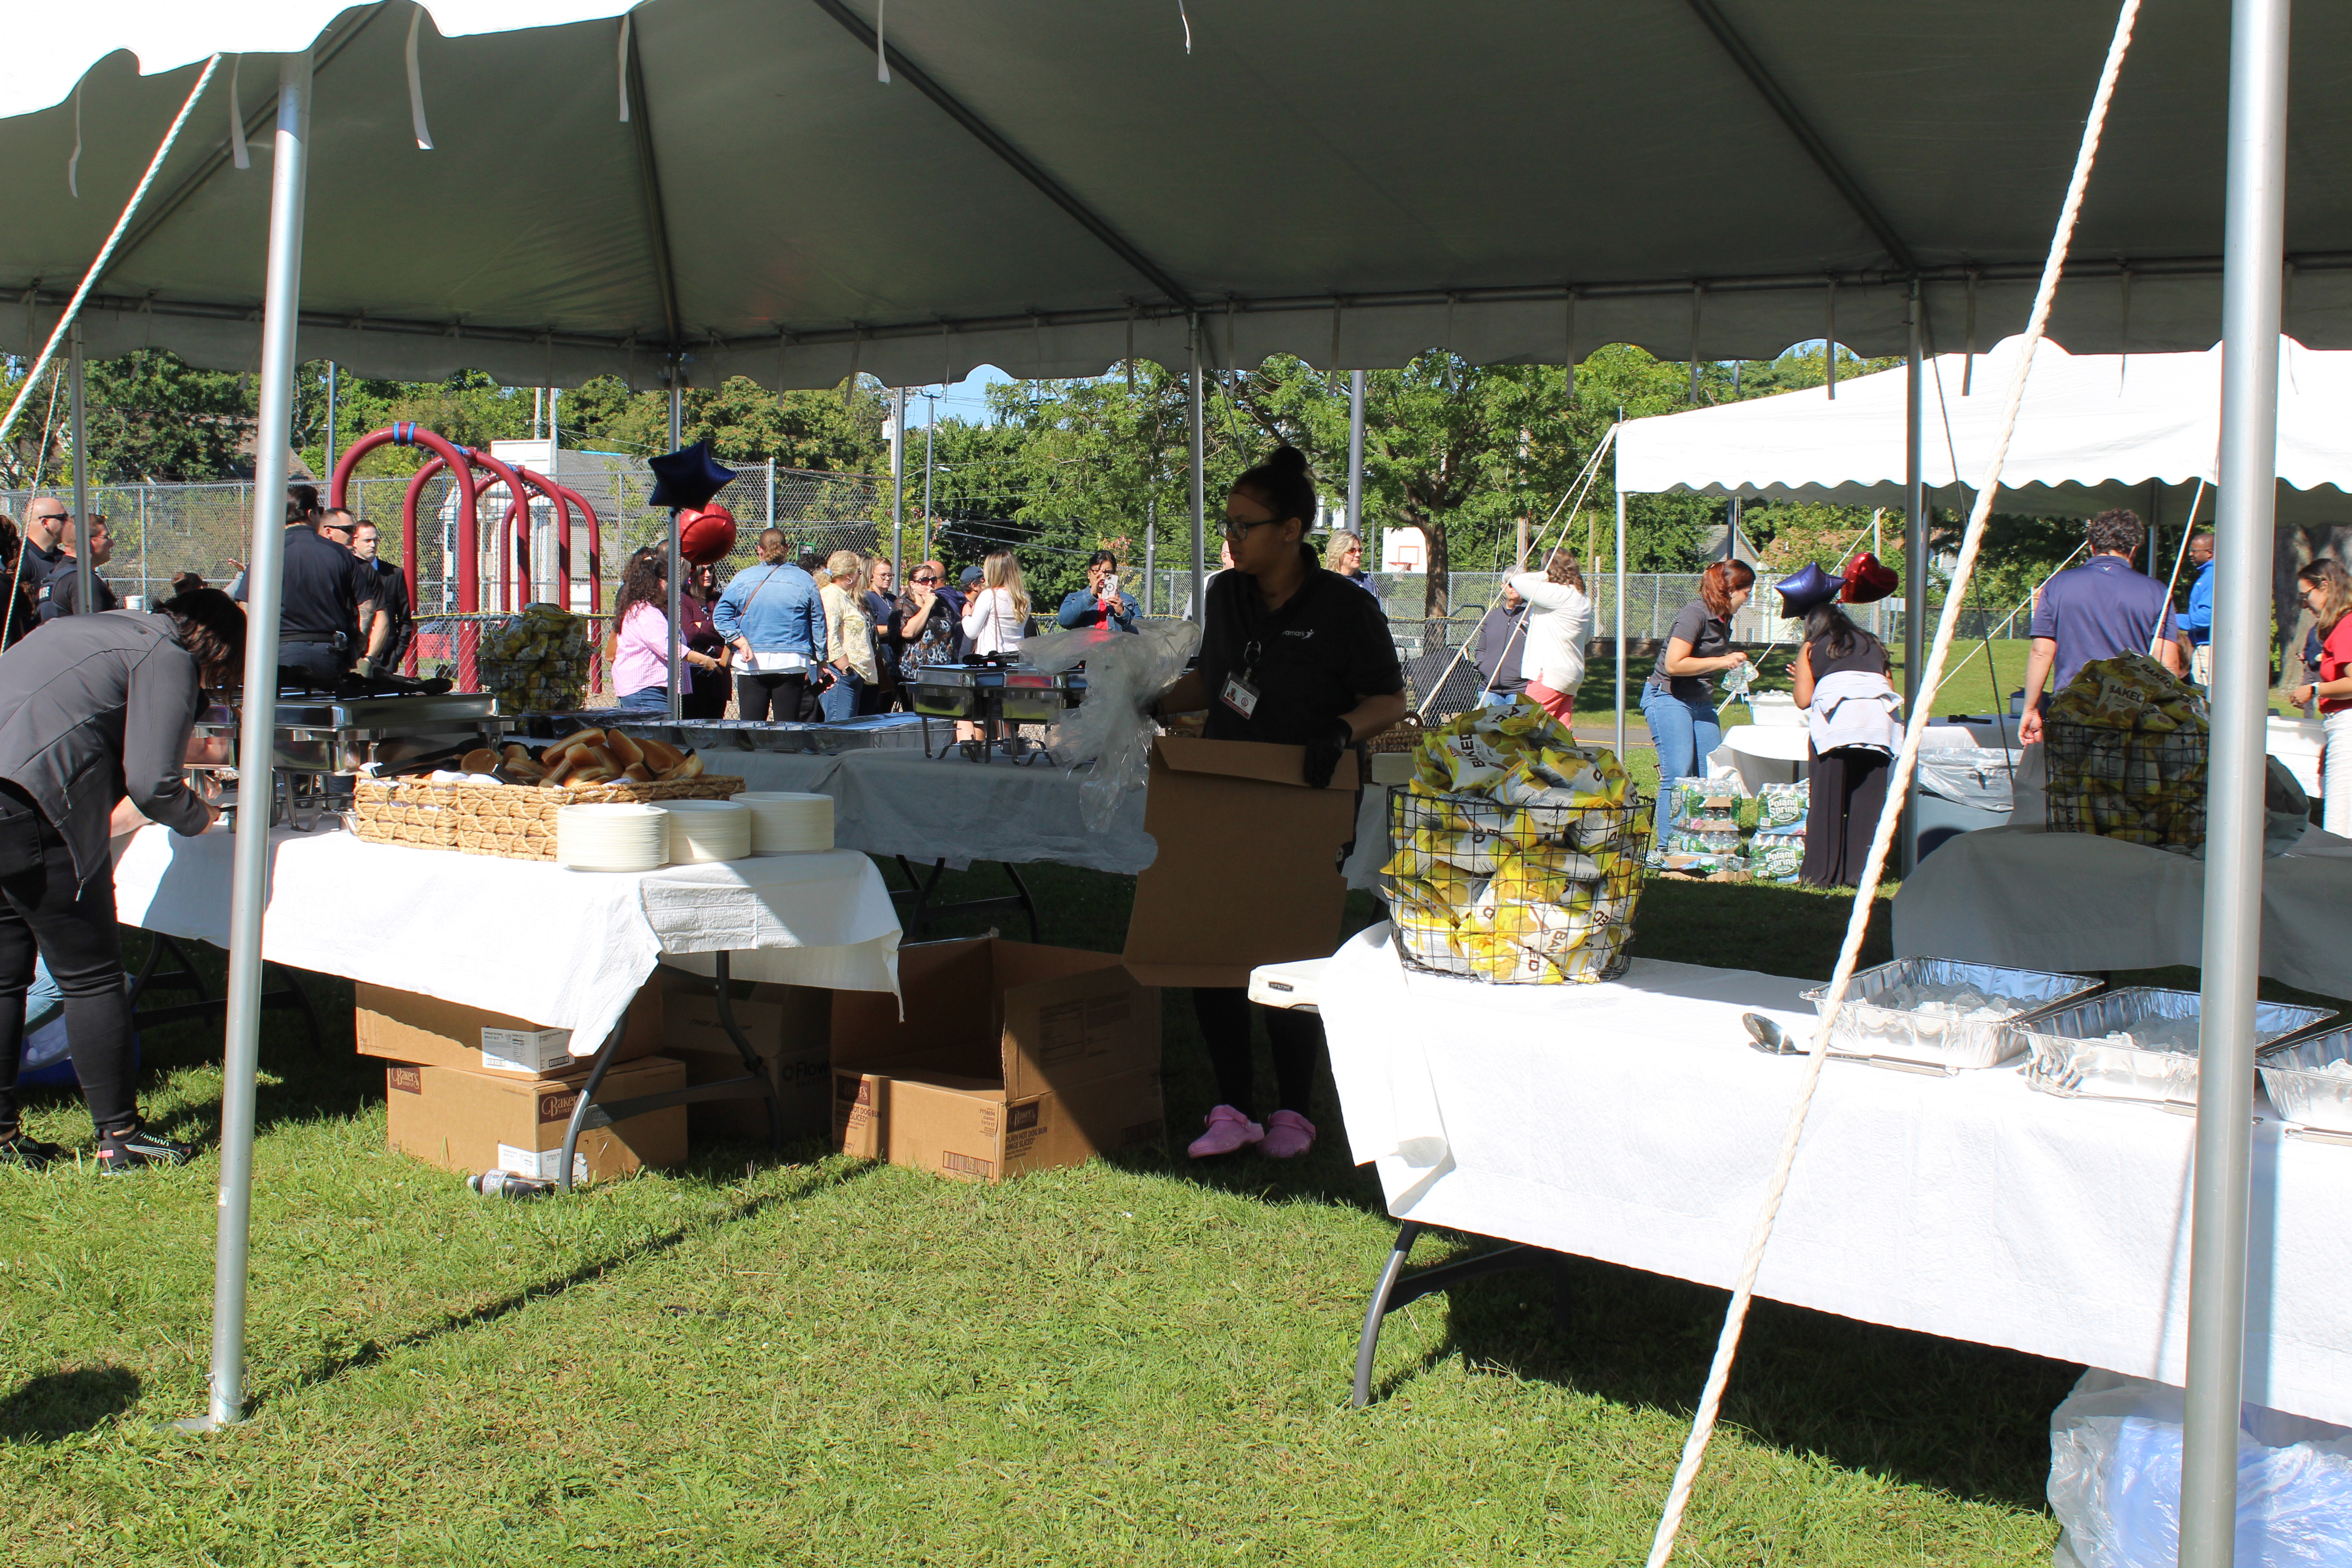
{"x":707,"y":536}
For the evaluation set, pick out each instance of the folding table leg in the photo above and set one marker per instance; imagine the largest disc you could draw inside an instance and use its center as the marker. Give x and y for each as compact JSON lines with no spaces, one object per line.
{"x":587,"y":1100}
{"x":1397,"y":1289}
{"x":1368,"y":1340}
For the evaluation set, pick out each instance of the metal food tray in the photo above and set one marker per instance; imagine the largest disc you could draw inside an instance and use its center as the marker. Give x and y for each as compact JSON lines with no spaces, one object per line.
{"x":2070,"y":1059}
{"x":2305,"y":1097}
{"x":1912,"y":1041}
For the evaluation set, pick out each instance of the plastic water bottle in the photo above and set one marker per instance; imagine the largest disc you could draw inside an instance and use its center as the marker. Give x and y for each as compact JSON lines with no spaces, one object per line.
{"x":507,"y":1185}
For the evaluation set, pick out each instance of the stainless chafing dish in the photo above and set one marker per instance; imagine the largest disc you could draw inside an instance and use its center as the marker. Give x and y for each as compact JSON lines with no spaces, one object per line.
{"x":998,"y":697}
{"x":320,"y":742}
{"x":2310,"y":1082}
{"x":2071,"y":1056}
{"x":1917,"y":1041}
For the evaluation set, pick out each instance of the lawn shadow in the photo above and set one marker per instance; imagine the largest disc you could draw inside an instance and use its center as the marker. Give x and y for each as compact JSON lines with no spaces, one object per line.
{"x":57,"y":1405}
{"x":1969,"y":1419}
{"x":809,"y":1179}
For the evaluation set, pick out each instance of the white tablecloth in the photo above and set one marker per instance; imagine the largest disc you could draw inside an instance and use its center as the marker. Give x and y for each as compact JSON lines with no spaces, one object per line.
{"x":563,"y":949}
{"x":1631,"y":1122}
{"x":2026,"y":897}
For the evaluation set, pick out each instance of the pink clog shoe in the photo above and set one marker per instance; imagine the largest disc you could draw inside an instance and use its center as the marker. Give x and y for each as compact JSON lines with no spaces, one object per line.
{"x":1288,"y":1136}
{"x":1228,"y":1130}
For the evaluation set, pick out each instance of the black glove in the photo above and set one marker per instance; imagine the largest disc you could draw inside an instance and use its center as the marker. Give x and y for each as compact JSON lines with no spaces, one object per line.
{"x":1323,"y":755}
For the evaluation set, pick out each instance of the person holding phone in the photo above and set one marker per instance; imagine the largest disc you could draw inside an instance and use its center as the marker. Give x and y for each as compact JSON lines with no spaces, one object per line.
{"x":1102,"y":602}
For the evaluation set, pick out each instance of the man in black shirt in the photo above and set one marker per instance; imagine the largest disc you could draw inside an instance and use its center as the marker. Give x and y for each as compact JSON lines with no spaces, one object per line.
{"x":327,"y":594}
{"x":394,"y":626}
{"x":45,"y":522}
{"x":62,"y":593}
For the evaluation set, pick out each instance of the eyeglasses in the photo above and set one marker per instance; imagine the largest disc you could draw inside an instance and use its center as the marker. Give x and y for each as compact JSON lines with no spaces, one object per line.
{"x":1237,"y":529}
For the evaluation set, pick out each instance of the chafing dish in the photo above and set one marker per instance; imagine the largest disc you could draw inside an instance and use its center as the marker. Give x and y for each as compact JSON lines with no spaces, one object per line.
{"x":2303,"y":1090}
{"x":1916,"y":1041}
{"x":954,"y":691}
{"x":320,"y":743}
{"x":2071,"y":1056}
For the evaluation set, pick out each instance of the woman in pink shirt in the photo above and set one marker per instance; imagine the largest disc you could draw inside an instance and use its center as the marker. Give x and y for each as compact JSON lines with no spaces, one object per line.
{"x":641,"y":634}
{"x":2326,"y":590}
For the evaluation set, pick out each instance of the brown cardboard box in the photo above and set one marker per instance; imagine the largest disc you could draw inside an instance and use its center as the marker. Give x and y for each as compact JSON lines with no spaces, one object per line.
{"x":475,"y":1121}
{"x":1010,"y":1057}
{"x":1208,"y":909}
{"x":406,"y":1026}
{"x":790,"y":1027}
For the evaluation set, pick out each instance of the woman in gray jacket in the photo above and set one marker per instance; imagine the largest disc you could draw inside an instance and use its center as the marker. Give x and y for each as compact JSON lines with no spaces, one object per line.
{"x":95,"y":712}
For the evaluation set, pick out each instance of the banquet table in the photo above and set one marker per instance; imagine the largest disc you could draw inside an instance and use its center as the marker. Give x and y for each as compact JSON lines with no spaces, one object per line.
{"x":1629,"y":1122}
{"x":567,"y":950}
{"x":2027,"y":897}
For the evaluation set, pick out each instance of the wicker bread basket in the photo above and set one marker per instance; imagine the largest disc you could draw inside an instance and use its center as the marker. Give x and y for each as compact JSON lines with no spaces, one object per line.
{"x":513,"y":822}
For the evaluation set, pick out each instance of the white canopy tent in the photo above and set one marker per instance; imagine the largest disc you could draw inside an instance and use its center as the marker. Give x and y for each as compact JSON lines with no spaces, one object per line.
{"x":2096,"y":431}
{"x":700,"y":188}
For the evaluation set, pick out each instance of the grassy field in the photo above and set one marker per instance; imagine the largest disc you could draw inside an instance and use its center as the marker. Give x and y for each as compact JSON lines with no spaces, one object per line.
{"x":818,"y":1361}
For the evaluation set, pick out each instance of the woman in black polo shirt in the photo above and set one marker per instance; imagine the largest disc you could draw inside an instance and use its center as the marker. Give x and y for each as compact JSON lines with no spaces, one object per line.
{"x":1297,"y":655}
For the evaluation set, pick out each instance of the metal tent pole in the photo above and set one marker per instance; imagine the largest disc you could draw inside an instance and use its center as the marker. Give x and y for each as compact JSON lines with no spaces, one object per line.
{"x":1150,"y":549}
{"x":83,"y":572}
{"x":897,"y":481}
{"x":1356,"y":453}
{"x":331,"y":379}
{"x":2253,"y":263}
{"x":256,"y":731}
{"x":1200,"y":488}
{"x":1914,"y":568}
{"x":928,"y":426}
{"x":1621,"y":625}
{"x":676,"y":568}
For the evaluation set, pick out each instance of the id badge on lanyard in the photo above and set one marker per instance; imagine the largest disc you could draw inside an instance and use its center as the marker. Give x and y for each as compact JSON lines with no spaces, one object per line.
{"x":1241,"y":691}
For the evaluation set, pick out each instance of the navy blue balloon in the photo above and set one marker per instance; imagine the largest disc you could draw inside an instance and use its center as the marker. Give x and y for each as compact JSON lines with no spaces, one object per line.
{"x":689,"y":478}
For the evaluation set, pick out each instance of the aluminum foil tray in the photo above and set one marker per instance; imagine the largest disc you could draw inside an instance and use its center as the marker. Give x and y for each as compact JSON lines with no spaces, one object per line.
{"x":2302,"y":1091}
{"x":2070,"y":1058}
{"x":717,"y":734}
{"x":1921,"y":1042}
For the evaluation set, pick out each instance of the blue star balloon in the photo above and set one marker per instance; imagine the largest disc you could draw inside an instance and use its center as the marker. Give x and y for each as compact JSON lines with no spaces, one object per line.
{"x":1809,"y":588}
{"x":689,"y":478}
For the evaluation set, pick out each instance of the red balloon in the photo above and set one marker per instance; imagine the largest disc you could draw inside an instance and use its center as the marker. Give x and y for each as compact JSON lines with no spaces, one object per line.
{"x":707,"y":536}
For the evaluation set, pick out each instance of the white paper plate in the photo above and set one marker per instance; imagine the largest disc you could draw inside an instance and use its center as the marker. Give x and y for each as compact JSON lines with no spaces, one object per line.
{"x":611,"y":837}
{"x":788,"y":822}
{"x":707,"y":830}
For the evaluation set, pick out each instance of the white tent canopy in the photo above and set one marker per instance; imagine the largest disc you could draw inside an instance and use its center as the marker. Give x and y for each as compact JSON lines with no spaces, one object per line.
{"x":2096,"y":431}
{"x":1050,"y":185}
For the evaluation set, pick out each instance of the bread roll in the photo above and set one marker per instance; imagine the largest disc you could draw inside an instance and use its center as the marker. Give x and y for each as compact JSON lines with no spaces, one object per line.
{"x":480,"y":760}
{"x":515,"y":752}
{"x":691,"y":768}
{"x":660,"y":755}
{"x":637,"y":772}
{"x":560,"y":772}
{"x":523,"y":768}
{"x":595,"y":772}
{"x":624,"y":747}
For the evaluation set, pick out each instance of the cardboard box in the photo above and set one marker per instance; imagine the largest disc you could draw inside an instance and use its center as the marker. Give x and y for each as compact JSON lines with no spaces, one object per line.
{"x":1010,"y":1057}
{"x":1213,"y":906}
{"x":475,"y":1121}
{"x":408,"y":1027}
{"x":791,"y":1027}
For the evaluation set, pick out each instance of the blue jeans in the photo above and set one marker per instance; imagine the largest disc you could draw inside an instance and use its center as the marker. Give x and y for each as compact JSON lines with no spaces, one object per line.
{"x":1685,"y":729}
{"x":652,"y":699}
{"x":839,"y":700}
{"x":1497,"y":699}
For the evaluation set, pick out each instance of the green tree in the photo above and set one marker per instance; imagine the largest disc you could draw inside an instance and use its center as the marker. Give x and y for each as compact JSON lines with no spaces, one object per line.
{"x":741,"y":420}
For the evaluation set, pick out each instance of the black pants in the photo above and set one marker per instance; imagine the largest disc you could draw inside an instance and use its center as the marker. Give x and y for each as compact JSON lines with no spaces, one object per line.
{"x":774,"y":697}
{"x":314,"y":666}
{"x":1224,"y":1015}
{"x":72,"y":927}
{"x":1849,"y":791}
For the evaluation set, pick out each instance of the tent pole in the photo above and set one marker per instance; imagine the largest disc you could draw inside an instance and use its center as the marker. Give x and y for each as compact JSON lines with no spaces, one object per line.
{"x":1621,"y":625}
{"x":331,"y":379}
{"x":1200,"y":488}
{"x":83,"y":571}
{"x":898,"y":482}
{"x":929,"y":425}
{"x":257,"y":733}
{"x":2253,"y":263}
{"x":1356,"y":453}
{"x":1914,"y":568}
{"x":677,"y":567}
{"x":1150,"y":550}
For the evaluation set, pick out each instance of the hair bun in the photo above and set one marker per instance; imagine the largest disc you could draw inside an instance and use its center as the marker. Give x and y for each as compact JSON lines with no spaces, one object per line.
{"x":1287,"y":459}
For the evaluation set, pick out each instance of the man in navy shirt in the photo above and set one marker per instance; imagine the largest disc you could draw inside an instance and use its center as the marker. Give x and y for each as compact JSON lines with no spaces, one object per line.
{"x":2097,"y":611}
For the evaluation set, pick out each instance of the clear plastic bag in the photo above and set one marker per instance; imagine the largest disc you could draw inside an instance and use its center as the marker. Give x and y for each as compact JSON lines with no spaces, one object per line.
{"x":1125,"y":672}
{"x":2115,"y":1480}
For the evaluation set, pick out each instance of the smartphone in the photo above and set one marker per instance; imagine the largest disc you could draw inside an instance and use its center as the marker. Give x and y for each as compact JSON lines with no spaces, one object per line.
{"x":1110,"y":585}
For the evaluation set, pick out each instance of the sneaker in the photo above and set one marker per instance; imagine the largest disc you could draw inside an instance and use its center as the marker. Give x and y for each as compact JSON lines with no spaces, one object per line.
{"x":1228,"y":1130}
{"x":21,"y":1150}
{"x":1288,"y":1136}
{"x":123,"y":1151}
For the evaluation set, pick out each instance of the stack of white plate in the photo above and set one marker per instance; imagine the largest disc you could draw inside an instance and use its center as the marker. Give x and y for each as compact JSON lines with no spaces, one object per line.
{"x":707,"y":830}
{"x":785,"y":822}
{"x":611,"y":837}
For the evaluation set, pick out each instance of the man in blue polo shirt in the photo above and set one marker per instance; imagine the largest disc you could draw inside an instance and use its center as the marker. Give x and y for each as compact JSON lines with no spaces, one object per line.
{"x":2196,"y":622}
{"x":2097,"y":611}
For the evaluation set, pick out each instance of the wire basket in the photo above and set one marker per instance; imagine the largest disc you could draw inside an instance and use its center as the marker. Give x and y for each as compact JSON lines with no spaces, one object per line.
{"x":2141,"y":786}
{"x":1514,"y":895}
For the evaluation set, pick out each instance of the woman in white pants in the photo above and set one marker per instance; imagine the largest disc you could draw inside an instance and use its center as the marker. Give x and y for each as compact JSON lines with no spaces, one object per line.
{"x":1559,"y":623}
{"x":2326,"y":590}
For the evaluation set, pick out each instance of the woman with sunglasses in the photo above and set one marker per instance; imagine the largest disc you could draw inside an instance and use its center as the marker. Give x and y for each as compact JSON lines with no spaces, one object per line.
{"x":1297,"y":655}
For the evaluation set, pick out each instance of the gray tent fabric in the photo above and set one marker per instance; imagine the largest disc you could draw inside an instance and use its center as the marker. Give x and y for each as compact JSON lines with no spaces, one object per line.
{"x":1051,"y":185}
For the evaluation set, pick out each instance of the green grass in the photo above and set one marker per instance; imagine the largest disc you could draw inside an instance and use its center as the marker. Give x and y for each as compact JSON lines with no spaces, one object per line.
{"x":821,"y":1361}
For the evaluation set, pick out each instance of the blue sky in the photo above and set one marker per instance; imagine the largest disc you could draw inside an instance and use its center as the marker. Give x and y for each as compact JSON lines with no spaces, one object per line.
{"x":966,"y":400}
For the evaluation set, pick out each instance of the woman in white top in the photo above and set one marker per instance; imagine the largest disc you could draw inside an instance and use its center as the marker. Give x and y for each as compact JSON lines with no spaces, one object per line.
{"x":1559,"y":623}
{"x":997,"y":616}
{"x":848,"y":635}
